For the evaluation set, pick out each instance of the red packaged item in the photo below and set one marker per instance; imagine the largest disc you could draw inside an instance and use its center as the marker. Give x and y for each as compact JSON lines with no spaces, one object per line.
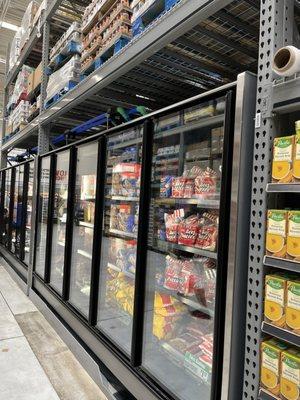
{"x":188,"y":231}
{"x":178,"y":185}
{"x":189,"y":278}
{"x":206,"y":184}
{"x":208,"y":232}
{"x":207,"y":237}
{"x":172,"y":273}
{"x":172,"y":222}
{"x":189,"y":188}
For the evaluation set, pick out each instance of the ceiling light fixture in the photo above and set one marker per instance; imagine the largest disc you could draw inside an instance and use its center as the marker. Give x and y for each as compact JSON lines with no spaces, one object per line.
{"x":9,"y":26}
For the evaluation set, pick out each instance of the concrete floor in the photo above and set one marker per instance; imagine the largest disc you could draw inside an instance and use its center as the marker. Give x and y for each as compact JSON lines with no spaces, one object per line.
{"x":35,"y":364}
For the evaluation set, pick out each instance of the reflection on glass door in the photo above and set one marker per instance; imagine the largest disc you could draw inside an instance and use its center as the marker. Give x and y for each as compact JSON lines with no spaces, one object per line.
{"x":17,"y":210}
{"x":6,"y":212}
{"x":119,"y":243}
{"x":42,"y":216}
{"x":59,"y":219}
{"x":182,"y":250}
{"x":29,"y":214}
{"x":83,"y":227}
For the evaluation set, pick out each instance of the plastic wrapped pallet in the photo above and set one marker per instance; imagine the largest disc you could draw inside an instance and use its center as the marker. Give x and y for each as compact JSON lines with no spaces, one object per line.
{"x":21,"y":86}
{"x":38,"y":14}
{"x":60,"y":79}
{"x":139,"y":7}
{"x":19,"y":115}
{"x":27,"y":22}
{"x":15,"y":49}
{"x":72,"y":34}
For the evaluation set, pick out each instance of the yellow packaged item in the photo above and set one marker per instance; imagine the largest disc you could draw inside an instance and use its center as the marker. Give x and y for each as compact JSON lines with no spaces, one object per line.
{"x":292,"y":310}
{"x":296,"y":160}
{"x":276,"y":233}
{"x":282,"y":166}
{"x":293,"y":235}
{"x":275,"y":299}
{"x":290,"y":375}
{"x":271,"y":365}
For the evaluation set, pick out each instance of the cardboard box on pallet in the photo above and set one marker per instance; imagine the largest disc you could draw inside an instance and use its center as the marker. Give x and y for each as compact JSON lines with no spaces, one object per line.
{"x":38,"y":73}
{"x":30,"y":86}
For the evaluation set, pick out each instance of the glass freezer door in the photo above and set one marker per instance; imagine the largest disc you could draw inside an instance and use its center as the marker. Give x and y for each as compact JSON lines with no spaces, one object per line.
{"x":119,"y":243}
{"x":59,"y":220}
{"x":42,"y":216}
{"x":178,"y":346}
{"x":83,"y":227}
{"x":6,"y":212}
{"x":18,"y":210}
{"x":29,"y":214}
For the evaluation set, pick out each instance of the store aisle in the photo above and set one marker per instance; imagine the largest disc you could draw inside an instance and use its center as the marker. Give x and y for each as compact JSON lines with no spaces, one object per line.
{"x":35,"y":364}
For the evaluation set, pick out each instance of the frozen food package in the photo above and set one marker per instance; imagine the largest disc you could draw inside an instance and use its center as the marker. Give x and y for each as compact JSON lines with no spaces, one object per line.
{"x":166,"y":186}
{"x":188,"y":231}
{"x":172,"y":273}
{"x":126,"y":179}
{"x":206,"y":184}
{"x":172,"y":223}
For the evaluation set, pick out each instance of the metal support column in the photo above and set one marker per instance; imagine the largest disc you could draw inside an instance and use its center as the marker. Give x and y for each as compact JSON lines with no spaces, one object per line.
{"x":275,"y":32}
{"x":3,"y":161}
{"x":44,"y":140}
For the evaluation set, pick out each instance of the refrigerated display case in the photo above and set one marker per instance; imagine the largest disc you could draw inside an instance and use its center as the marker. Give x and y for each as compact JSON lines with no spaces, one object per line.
{"x":16,"y":196}
{"x":153,"y":230}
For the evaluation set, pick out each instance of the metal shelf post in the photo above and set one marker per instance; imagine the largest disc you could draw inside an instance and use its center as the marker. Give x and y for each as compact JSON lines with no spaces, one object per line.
{"x":43,"y":137}
{"x":275,"y":32}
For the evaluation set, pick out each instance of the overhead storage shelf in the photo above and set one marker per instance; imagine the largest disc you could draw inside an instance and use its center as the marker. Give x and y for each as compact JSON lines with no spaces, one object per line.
{"x":281,"y":263}
{"x":184,"y":52}
{"x":286,"y":95}
{"x":25,"y":138}
{"x":264,"y":395}
{"x":283,"y":188}
{"x":27,"y":50}
{"x":281,"y":334}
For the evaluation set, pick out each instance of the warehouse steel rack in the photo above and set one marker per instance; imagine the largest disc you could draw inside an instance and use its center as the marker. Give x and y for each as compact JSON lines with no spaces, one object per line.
{"x":277,"y":99}
{"x":184,"y":52}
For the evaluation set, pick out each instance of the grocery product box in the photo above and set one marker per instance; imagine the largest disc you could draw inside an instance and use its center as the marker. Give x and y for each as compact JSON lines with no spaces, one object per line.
{"x":293,"y":235}
{"x":282,"y":166}
{"x":275,"y":299}
{"x":296,"y":160}
{"x":292,"y":310}
{"x":30,"y":86}
{"x":38,"y":76}
{"x":271,"y":351}
{"x":276,"y":233}
{"x":290,"y":375}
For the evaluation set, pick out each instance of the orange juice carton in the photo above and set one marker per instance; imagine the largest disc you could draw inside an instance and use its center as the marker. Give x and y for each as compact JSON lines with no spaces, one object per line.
{"x":292,"y":309}
{"x":271,"y":365}
{"x":275,"y":299}
{"x":276,"y":233}
{"x":282,"y":167}
{"x":293,"y":236}
{"x":290,"y":375}
{"x":296,"y":158}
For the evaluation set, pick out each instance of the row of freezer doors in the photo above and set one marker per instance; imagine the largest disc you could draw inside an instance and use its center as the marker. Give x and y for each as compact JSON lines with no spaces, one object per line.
{"x":99,"y":182}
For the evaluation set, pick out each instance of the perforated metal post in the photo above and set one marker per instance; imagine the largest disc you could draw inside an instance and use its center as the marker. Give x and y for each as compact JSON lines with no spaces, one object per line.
{"x":44,"y":140}
{"x":275,"y":32}
{"x":3,"y":160}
